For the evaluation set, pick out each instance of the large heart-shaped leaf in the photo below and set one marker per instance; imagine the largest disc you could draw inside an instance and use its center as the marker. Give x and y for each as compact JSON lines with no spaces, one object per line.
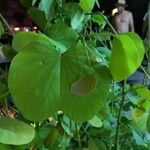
{"x":87,"y":5}
{"x":127,"y":55}
{"x":15,"y":132}
{"x":41,"y":79}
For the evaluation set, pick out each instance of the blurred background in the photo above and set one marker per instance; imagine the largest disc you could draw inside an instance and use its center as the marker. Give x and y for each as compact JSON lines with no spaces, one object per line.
{"x":17,"y":18}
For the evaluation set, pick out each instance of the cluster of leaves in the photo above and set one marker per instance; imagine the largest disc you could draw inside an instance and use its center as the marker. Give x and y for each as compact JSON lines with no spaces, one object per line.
{"x":63,"y":82}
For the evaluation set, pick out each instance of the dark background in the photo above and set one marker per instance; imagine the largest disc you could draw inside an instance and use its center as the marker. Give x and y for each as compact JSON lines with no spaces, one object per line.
{"x":14,"y":13}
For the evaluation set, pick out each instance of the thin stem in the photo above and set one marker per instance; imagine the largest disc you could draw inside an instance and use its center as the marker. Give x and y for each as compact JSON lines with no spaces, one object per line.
{"x":78,"y":136}
{"x":117,"y":145}
{"x":6,"y":24}
{"x":112,"y":28}
{"x":146,"y":73}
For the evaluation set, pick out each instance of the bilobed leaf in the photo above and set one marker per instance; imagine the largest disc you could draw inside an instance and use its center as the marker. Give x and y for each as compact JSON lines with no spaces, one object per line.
{"x":22,"y":39}
{"x":84,"y":85}
{"x":15,"y":132}
{"x":38,"y":17}
{"x":87,"y":5}
{"x":127,"y":55}
{"x":1,"y":29}
{"x":40,"y":80}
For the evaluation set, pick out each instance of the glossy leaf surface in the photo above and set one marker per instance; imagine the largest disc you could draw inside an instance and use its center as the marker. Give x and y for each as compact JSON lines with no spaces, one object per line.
{"x":127,"y":55}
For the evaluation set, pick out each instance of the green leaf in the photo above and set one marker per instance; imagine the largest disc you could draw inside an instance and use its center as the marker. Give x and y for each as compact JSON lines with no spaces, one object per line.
{"x":96,"y":145}
{"x":139,"y":118}
{"x":3,"y":88}
{"x":22,"y":39}
{"x":148,"y":123}
{"x":96,"y":122}
{"x":87,"y":5}
{"x":76,"y":15}
{"x":26,"y":3}
{"x":40,"y":82}
{"x":138,"y":138}
{"x":97,"y":18}
{"x":1,"y":29}
{"x":127,"y":55}
{"x":102,"y":36}
{"x":144,"y":94}
{"x":5,"y":147}
{"x":9,"y":52}
{"x":38,"y":17}
{"x":48,"y":7}
{"x":62,"y":36}
{"x":33,"y":2}
{"x":15,"y":132}
{"x":39,"y":65}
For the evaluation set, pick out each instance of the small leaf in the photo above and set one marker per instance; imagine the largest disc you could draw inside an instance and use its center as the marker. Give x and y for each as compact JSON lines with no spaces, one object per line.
{"x":84,"y":85}
{"x":96,"y":122}
{"x":97,"y":18}
{"x":15,"y":132}
{"x":48,"y":7}
{"x":139,"y":117}
{"x":87,"y":5}
{"x":127,"y":55}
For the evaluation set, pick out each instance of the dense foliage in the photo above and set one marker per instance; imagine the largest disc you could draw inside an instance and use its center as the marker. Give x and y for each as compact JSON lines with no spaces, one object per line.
{"x":67,"y":85}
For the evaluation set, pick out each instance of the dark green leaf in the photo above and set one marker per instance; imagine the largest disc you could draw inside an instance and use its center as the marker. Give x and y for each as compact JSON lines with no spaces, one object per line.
{"x":38,"y":17}
{"x":5,"y":147}
{"x":26,"y":3}
{"x":1,"y":29}
{"x":9,"y":52}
